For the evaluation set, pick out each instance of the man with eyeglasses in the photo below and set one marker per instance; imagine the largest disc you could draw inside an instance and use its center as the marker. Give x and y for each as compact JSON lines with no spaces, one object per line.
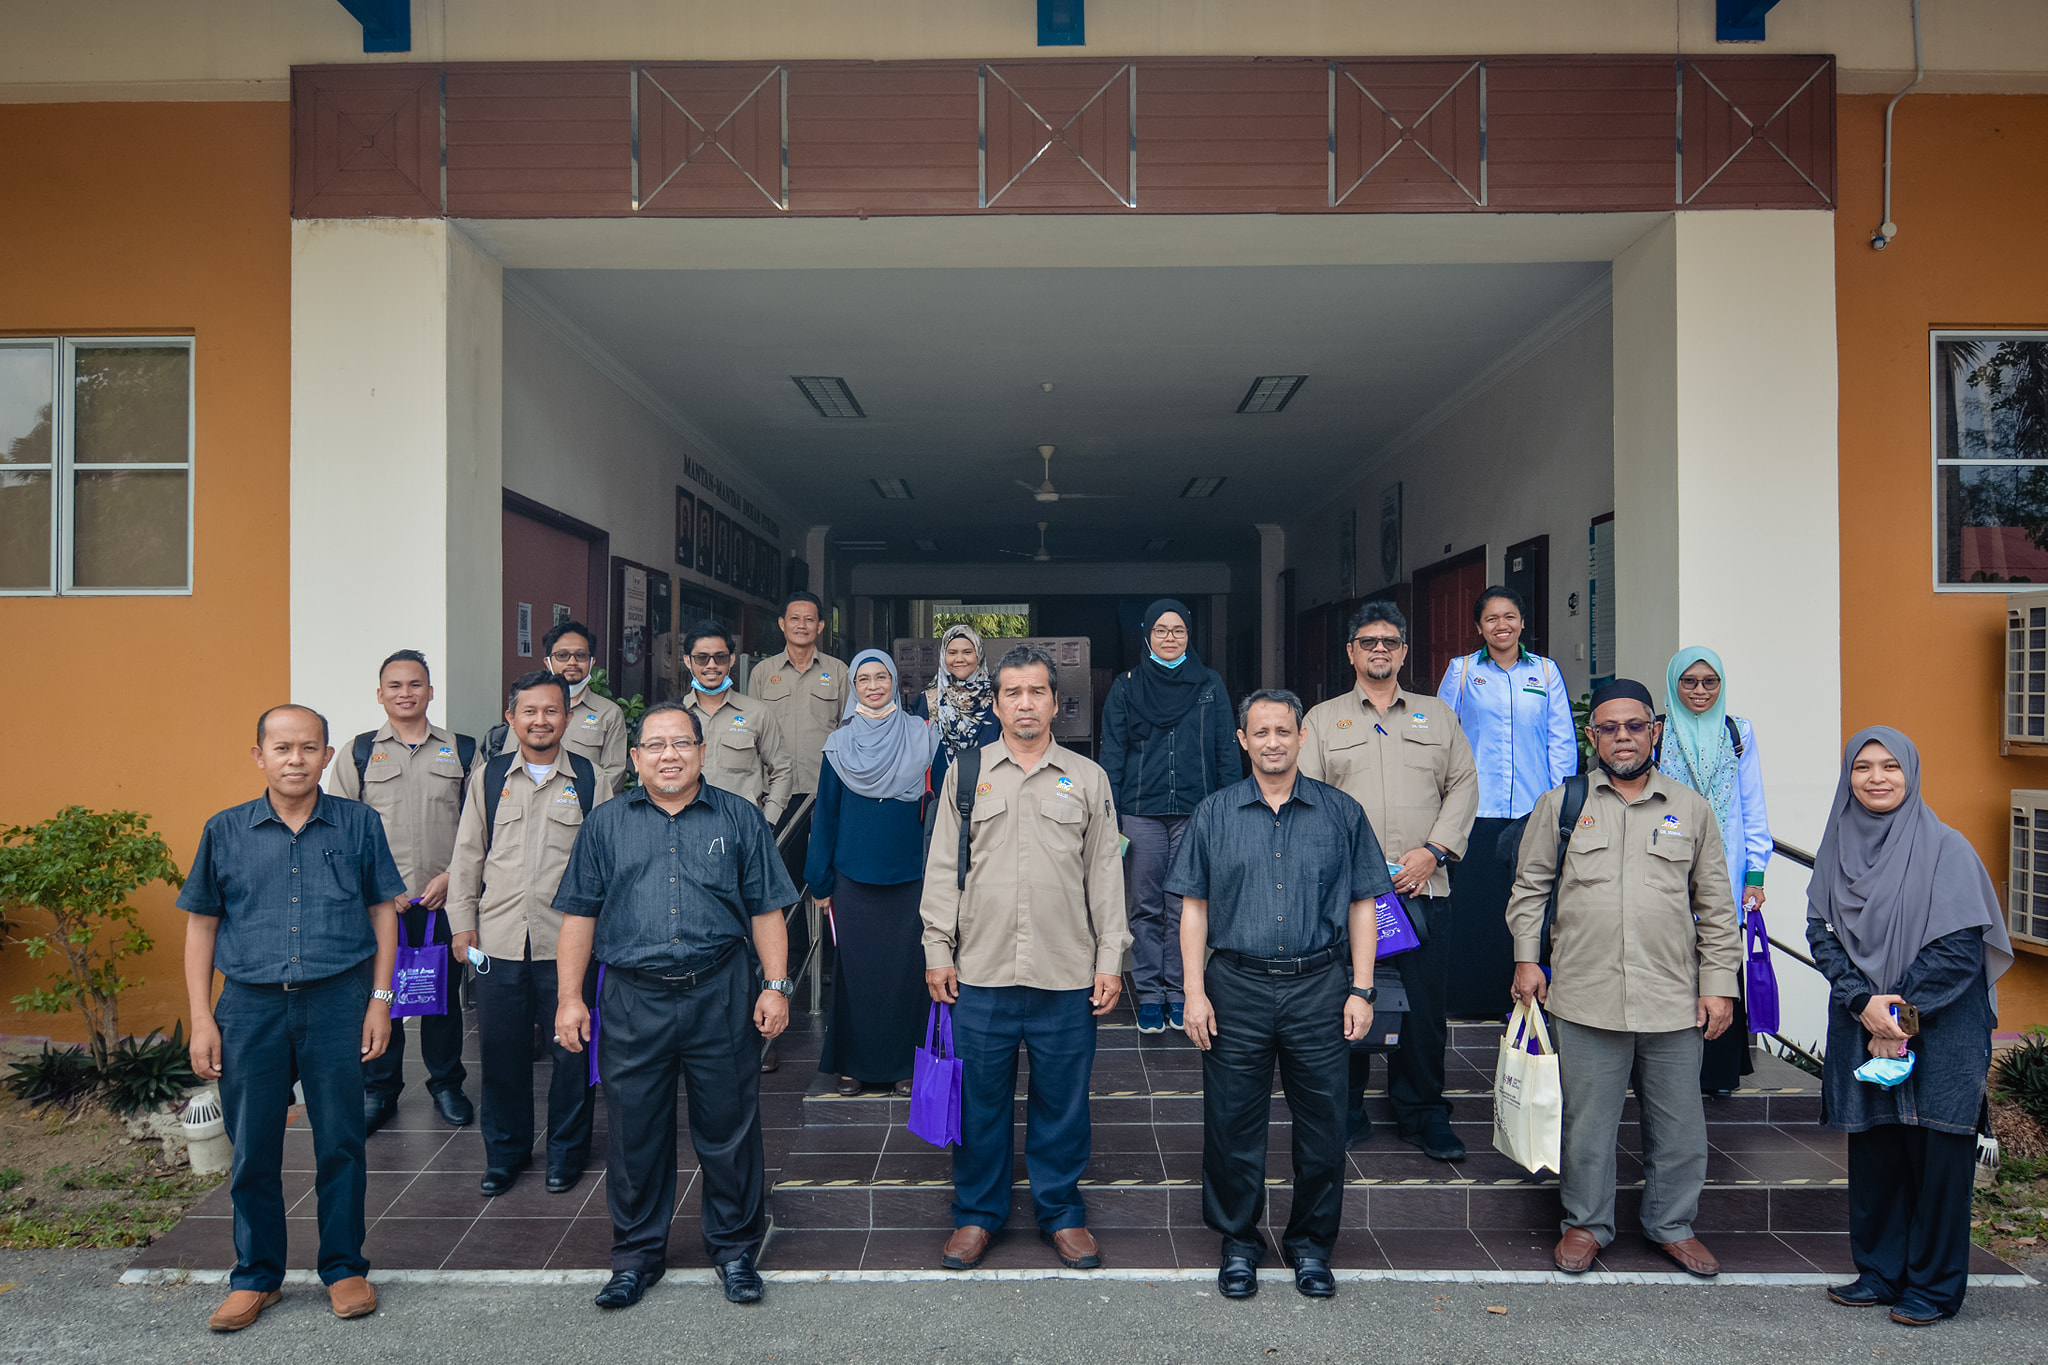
{"x":804,"y":687}
{"x":1644,"y":959}
{"x":746,"y":751}
{"x":596,"y":725}
{"x":1403,"y":756}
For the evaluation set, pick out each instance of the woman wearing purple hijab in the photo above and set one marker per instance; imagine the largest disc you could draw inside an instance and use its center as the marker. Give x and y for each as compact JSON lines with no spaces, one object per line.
{"x":1900,"y":911}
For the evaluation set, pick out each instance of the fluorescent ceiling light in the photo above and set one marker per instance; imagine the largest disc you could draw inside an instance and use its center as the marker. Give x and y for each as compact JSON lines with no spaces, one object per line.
{"x":1269,"y":392}
{"x":1157,"y":543}
{"x":895,"y":490}
{"x":829,"y":395}
{"x":860,"y":544}
{"x":928,"y":546}
{"x":1203,"y":488}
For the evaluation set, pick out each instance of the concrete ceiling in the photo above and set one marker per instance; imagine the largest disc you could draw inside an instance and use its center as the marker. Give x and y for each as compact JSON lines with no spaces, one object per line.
{"x":1147,"y":368}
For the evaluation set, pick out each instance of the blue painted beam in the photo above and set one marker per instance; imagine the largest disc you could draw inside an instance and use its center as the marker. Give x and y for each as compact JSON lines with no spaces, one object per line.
{"x":1741,"y":21}
{"x":387,"y":24}
{"x":1062,"y":23}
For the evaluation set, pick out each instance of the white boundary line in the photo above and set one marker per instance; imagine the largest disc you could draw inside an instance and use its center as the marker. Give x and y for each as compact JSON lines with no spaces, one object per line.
{"x":509,"y":1278}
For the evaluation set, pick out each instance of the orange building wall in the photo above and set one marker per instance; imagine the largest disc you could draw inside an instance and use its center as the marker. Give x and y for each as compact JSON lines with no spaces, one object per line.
{"x":1970,"y":196}
{"x":162,"y":218}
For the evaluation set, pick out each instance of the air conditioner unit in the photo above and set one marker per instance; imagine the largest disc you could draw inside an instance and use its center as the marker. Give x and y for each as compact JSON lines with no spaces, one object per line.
{"x":2026,"y":674}
{"x":2026,"y":906}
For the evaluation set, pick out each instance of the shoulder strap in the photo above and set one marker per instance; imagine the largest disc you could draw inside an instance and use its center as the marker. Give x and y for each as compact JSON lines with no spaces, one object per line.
{"x":586,"y":779}
{"x":1568,"y":810}
{"x":495,"y":772}
{"x":967,"y":775}
{"x":465,"y":753}
{"x":494,"y":739}
{"x":1464,"y":672}
{"x":1734,"y":734}
{"x":360,"y":751}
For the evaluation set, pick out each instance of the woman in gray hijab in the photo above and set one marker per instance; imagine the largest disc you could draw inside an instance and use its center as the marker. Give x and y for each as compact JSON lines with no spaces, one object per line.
{"x":1901,"y":912}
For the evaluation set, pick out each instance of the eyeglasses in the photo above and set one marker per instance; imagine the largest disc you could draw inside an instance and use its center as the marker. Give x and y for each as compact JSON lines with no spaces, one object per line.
{"x":571,"y":656}
{"x":1608,"y":729}
{"x":1369,"y":643}
{"x":709,"y":660}
{"x":1700,"y":684}
{"x":657,"y":747}
{"x":1169,"y":632}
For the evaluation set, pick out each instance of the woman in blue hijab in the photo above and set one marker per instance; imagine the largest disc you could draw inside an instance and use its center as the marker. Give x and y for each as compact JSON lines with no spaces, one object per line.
{"x":866,"y":868}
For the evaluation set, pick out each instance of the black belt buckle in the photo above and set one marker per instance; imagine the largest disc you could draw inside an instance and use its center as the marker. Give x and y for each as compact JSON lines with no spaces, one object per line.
{"x":686,"y":980}
{"x":1283,"y":966}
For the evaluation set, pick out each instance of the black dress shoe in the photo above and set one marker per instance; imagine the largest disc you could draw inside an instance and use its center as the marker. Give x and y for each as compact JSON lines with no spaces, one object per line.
{"x":454,"y":1107}
{"x":1313,"y":1278}
{"x":771,"y":1057}
{"x":377,"y":1111}
{"x":498,"y":1179}
{"x":625,"y":1287}
{"x":562,"y":1179}
{"x":742,"y":1282}
{"x":1239,"y":1277}
{"x":1914,"y":1309}
{"x":1867,"y":1291}
{"x":1357,"y":1127}
{"x":1437,"y":1141}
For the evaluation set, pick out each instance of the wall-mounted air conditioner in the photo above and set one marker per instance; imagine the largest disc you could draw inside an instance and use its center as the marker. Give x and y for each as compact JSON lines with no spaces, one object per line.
{"x":2026,"y":674}
{"x":2026,"y":906}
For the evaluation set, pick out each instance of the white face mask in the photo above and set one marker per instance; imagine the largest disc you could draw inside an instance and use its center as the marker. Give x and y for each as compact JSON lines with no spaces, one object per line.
{"x":576,"y":689}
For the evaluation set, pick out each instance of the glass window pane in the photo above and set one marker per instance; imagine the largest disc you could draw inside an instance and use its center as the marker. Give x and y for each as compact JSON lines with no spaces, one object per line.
{"x":1992,"y":396}
{"x":24,"y":529}
{"x":25,"y":383}
{"x":131,"y":405}
{"x":130,"y":529}
{"x":1994,"y":523}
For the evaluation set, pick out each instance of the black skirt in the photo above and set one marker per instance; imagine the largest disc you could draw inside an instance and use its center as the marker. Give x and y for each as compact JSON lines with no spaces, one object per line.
{"x":879,"y":1000}
{"x":1483,"y":957}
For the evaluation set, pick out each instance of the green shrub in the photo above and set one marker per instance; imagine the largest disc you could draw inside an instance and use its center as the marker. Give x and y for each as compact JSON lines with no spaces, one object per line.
{"x":63,"y":1075}
{"x":11,"y":1178}
{"x":2022,"y":1074}
{"x":143,"y":1073}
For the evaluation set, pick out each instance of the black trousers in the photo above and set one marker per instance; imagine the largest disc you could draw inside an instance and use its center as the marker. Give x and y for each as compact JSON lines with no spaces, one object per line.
{"x":1298,"y":1020}
{"x":513,"y":998}
{"x":1909,"y":1209}
{"x":1480,"y":883}
{"x":440,"y":1034}
{"x":1415,"y":1073}
{"x":650,"y":1033}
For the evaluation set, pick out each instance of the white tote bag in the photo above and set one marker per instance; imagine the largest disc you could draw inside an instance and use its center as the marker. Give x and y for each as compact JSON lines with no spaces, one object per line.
{"x":1528,"y":1098}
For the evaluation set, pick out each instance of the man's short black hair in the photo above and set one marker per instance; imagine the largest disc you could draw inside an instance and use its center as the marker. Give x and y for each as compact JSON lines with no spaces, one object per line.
{"x":1378,"y":609}
{"x":1023,"y":656}
{"x":1504,"y":592}
{"x":405,"y":656}
{"x":537,"y":678}
{"x":801,"y":596}
{"x":263,"y":721}
{"x":705,"y":630}
{"x":1269,"y":694}
{"x":569,"y":627}
{"x":662,"y":707}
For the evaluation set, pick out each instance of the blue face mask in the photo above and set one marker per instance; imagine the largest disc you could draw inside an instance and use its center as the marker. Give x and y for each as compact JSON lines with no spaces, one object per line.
{"x":712,"y":691}
{"x":1886,"y":1071}
{"x":1168,"y":663}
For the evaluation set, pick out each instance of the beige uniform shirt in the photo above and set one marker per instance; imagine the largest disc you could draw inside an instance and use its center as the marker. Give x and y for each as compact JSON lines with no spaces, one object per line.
{"x":597,"y":730}
{"x":1409,"y":766}
{"x":745,"y":751}
{"x":807,"y":703}
{"x":415,"y":791}
{"x":1044,"y":902}
{"x":508,"y":898}
{"x":1646,"y":922}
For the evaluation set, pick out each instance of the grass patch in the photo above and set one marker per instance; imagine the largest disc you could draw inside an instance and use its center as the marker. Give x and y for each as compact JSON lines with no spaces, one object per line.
{"x":76,"y":1177}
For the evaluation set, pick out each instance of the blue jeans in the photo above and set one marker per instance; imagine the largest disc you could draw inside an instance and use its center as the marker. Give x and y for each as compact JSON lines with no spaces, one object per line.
{"x":269,"y":1038}
{"x":1059,"y":1029}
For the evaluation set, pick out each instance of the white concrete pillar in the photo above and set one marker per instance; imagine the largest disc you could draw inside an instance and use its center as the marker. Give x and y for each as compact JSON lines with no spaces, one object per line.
{"x":1272,"y":629}
{"x":397,"y":466}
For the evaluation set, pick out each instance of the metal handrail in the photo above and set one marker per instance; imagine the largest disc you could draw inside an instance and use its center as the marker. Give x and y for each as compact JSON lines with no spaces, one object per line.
{"x":797,"y":823}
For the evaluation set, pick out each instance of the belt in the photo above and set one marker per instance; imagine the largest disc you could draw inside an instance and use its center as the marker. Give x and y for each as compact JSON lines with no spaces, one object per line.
{"x":298,"y":985}
{"x":677,"y":981}
{"x":1286,"y":966}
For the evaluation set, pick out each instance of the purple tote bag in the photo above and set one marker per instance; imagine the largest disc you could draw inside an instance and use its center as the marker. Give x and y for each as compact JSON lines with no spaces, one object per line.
{"x":1759,"y":979}
{"x":1396,"y":933}
{"x":419,"y":981}
{"x":935,"y":1082}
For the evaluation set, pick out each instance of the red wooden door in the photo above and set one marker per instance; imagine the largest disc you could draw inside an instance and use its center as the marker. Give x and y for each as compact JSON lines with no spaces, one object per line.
{"x":546,"y":570}
{"x":1445,"y":591}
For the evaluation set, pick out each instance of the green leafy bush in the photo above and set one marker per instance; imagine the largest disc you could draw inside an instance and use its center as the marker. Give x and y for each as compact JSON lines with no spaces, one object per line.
{"x":2022,"y":1074}
{"x":142,"y":1073}
{"x":61,"y":1075}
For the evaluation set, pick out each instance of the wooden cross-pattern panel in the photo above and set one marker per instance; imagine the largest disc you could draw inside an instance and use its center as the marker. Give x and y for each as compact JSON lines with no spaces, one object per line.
{"x":711,"y":138}
{"x":1408,"y":135}
{"x":1757,"y":129}
{"x":1059,"y":135}
{"x":366,"y":142}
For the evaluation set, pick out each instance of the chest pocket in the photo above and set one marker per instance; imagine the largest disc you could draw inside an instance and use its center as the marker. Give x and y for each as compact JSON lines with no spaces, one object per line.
{"x":564,"y":810}
{"x":989,"y":829}
{"x":736,"y":752}
{"x":1670,"y":866}
{"x":380,"y":768}
{"x":346,"y":872}
{"x":775,"y":687}
{"x":1346,"y":751}
{"x":1587,"y":860}
{"x":1064,"y":825}
{"x":1420,"y":748}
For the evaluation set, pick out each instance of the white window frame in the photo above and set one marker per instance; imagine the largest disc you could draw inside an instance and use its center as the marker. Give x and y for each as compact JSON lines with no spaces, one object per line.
{"x":64,"y":467}
{"x":1936,"y":463}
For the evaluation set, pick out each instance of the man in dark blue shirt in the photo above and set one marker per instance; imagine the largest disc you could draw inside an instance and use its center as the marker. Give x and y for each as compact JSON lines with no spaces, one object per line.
{"x":293,"y":898}
{"x":667,"y":885}
{"x":1277,"y":874}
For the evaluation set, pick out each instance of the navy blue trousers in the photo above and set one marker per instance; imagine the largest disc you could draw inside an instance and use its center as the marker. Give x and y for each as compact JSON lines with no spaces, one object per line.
{"x":269,"y":1038}
{"x":514,"y":997}
{"x":1909,"y":1209}
{"x":1058,"y":1027}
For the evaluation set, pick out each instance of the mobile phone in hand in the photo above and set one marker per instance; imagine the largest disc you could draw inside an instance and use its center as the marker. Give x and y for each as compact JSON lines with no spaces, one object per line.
{"x":1907,"y":1017}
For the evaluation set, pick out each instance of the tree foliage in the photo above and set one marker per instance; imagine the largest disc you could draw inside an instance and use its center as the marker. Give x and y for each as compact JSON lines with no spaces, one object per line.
{"x":989,"y":625}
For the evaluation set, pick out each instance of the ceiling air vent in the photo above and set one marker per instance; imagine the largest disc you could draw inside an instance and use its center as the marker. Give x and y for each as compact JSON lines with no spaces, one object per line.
{"x":895,"y":490}
{"x":1203,"y":487}
{"x":829,"y":395}
{"x":928,"y":546}
{"x":1157,"y":543}
{"x":1271,"y":392}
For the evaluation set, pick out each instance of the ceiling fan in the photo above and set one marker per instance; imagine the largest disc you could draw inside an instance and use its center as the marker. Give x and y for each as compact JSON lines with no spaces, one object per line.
{"x":1042,"y":555}
{"x":1045,"y":492}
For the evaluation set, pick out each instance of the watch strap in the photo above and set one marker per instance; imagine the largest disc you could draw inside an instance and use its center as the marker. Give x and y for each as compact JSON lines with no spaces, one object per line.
{"x":388,"y":997}
{"x":1369,"y":994}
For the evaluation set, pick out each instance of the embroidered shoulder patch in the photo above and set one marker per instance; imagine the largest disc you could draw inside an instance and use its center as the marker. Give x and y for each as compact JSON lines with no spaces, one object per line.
{"x":378,"y":758}
{"x":776,"y":678}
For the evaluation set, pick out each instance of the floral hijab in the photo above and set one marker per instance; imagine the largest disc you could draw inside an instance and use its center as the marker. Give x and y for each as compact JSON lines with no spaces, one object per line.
{"x":962,"y":703}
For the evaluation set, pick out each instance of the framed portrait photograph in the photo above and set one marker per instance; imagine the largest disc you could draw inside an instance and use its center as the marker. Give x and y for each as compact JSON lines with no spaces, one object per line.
{"x":686,"y":529}
{"x":704,"y":523}
{"x":721,"y":547}
{"x":750,"y":563}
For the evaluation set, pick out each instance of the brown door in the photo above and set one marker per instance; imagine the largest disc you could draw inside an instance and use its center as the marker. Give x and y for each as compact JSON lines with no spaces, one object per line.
{"x":1528,"y":573}
{"x":1444,"y":593}
{"x":548,"y":574}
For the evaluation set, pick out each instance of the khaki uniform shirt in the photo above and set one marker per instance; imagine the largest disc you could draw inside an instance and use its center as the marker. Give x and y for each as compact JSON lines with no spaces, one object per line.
{"x":416,"y":791}
{"x":508,"y":898}
{"x":1409,"y":766}
{"x":1044,"y":902}
{"x":745,"y":751}
{"x":807,"y":703}
{"x":597,"y":730}
{"x":1646,"y":922}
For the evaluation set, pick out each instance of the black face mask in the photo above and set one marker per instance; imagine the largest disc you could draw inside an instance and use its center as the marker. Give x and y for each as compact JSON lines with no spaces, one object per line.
{"x":1630,"y":774}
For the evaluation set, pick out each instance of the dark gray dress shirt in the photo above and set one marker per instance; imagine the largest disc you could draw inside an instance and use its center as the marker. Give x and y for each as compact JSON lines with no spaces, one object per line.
{"x":1279,"y":884}
{"x":292,"y":907}
{"x":673,"y":893}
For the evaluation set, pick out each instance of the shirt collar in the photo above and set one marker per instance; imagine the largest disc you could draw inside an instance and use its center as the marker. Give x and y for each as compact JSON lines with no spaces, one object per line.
{"x":1055,"y":756}
{"x":1400,"y":706}
{"x":260,"y":810}
{"x":434,"y":731}
{"x":1250,"y":795}
{"x":639,"y":795}
{"x":1659,"y":786}
{"x":1523,"y":657}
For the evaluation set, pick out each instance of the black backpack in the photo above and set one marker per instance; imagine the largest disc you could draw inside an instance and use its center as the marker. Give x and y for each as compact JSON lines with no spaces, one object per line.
{"x":465,"y":751}
{"x":968,"y":767}
{"x":499,"y":767}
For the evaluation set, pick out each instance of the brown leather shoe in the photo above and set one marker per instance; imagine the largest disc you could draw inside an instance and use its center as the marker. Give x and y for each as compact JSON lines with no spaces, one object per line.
{"x":1075,"y":1247}
{"x":241,"y":1308}
{"x":902,"y":1089}
{"x":1692,"y":1256}
{"x":848,"y":1086}
{"x":966,"y":1247}
{"x":352,"y":1297}
{"x":1575,"y":1251}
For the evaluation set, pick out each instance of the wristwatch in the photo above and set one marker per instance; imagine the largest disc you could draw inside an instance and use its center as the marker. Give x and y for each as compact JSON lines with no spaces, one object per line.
{"x":1438,"y":854}
{"x":1369,"y":994}
{"x":388,"y":997}
{"x":782,"y":984}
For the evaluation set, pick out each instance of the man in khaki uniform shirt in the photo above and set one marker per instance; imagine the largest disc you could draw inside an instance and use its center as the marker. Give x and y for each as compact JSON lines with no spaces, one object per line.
{"x":745,"y":749}
{"x":501,"y":893}
{"x":805,"y":688}
{"x":596,"y":726}
{"x":1029,"y":952}
{"x":412,"y":777}
{"x":1645,"y":958}
{"x":1403,"y":756}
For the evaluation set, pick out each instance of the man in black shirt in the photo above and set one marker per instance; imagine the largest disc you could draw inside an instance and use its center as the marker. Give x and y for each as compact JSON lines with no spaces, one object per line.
{"x":666,"y":886}
{"x":1277,"y":875}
